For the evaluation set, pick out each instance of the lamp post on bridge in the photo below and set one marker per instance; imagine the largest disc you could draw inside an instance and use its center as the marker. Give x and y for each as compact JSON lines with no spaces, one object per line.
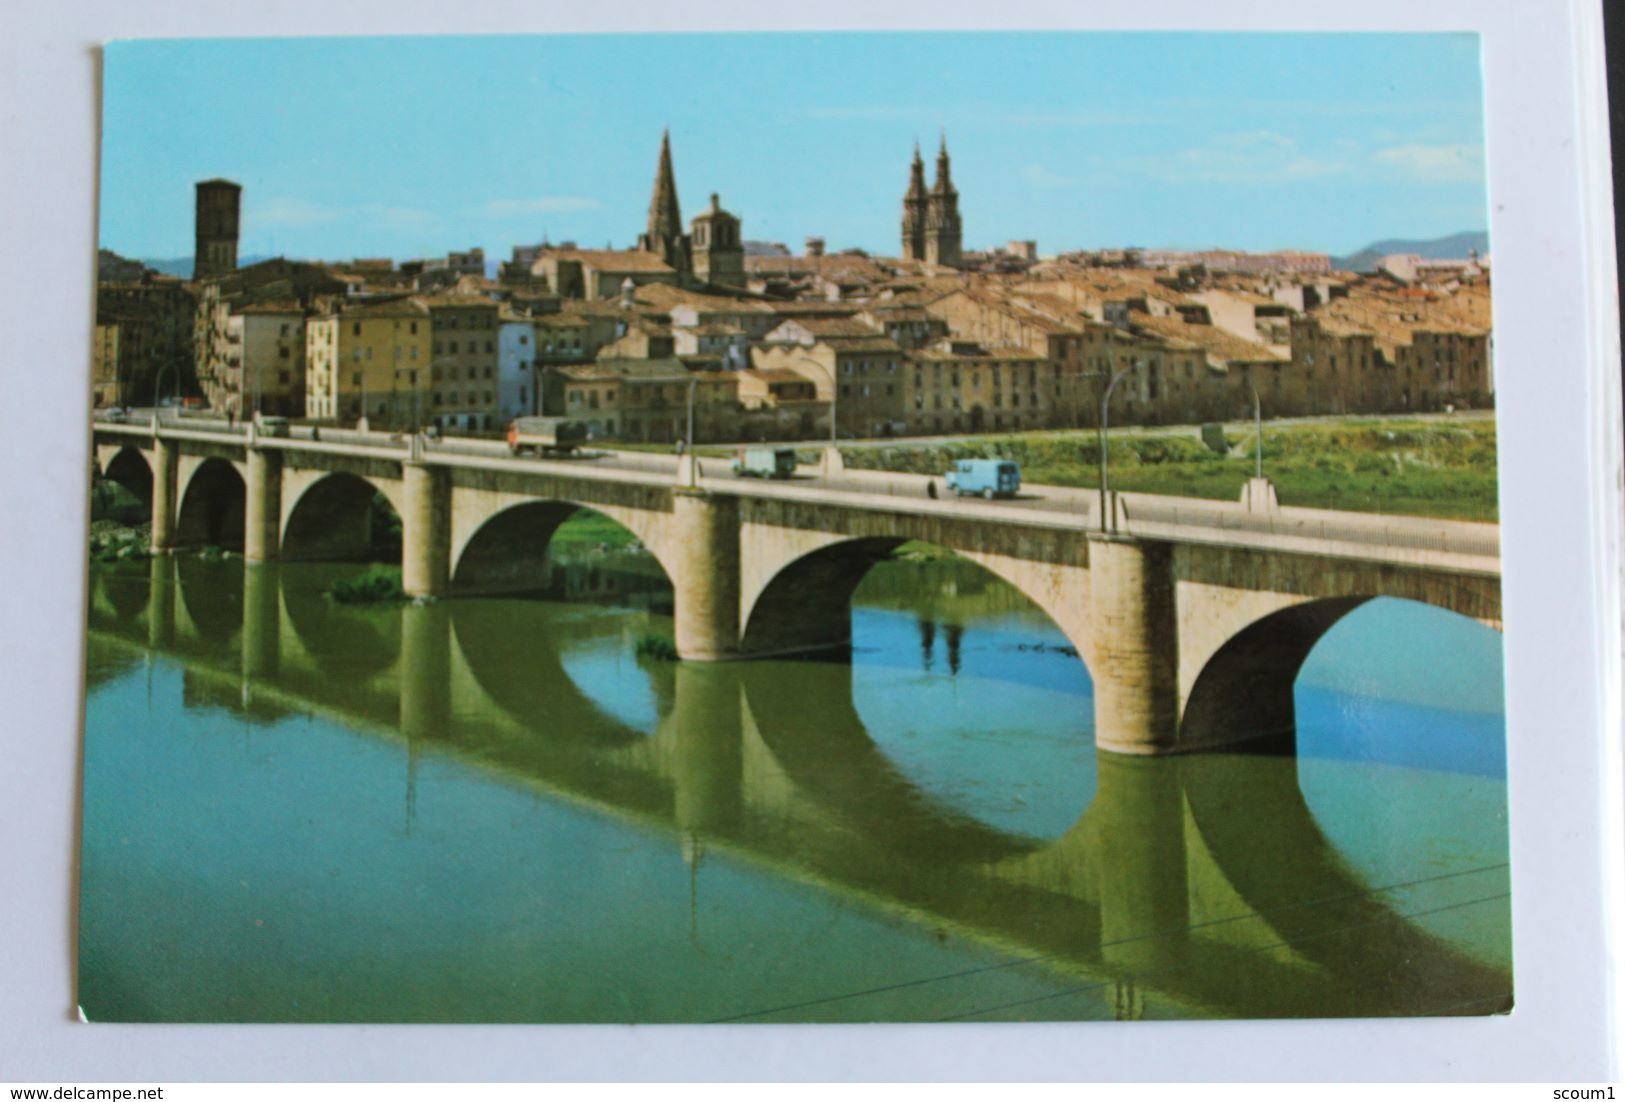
{"x":1258,"y":431}
{"x":1105,"y":401}
{"x":688,"y":447}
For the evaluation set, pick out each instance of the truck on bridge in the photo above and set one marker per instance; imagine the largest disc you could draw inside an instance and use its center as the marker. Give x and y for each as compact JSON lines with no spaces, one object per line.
{"x":546,"y":435}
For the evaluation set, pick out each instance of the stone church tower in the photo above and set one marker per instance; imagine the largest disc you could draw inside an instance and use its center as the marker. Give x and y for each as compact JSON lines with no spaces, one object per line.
{"x":914,"y":203}
{"x":942,"y":215}
{"x":719,"y":250}
{"x":218,"y":205}
{"x":664,"y":236}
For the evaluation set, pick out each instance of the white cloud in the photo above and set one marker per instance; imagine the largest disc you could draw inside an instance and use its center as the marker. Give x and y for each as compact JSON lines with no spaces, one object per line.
{"x":544,"y":204}
{"x":1249,"y":157}
{"x":1434,"y":162}
{"x":288,"y":212}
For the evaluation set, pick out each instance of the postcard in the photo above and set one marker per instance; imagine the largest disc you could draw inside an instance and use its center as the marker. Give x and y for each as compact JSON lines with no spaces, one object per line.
{"x":935,"y":550}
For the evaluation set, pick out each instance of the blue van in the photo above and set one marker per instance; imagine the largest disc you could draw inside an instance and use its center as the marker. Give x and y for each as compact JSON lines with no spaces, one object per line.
{"x":987,"y":477}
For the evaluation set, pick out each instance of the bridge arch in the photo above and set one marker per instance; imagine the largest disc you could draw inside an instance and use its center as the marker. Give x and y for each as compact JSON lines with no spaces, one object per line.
{"x":509,"y":549}
{"x":802,"y":603}
{"x":332,"y":516}
{"x":1253,"y":650}
{"x":487,"y":523}
{"x":129,"y":467}
{"x":212,"y":498}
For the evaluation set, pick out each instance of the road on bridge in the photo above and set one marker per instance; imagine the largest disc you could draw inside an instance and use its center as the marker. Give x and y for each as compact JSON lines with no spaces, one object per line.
{"x":1474,"y":546}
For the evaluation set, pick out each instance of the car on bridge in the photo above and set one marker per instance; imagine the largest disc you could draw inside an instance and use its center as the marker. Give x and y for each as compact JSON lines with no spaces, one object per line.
{"x":988,"y":478}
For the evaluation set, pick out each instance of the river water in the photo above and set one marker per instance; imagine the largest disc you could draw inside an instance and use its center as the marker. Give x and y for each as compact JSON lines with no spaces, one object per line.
{"x":493,"y":809}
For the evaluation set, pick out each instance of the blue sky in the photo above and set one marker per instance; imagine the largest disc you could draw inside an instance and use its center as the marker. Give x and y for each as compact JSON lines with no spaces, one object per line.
{"x":412,"y":146}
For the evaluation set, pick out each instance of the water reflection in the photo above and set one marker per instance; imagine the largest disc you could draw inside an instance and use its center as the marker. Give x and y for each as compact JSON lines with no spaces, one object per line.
{"x":1184,"y":887}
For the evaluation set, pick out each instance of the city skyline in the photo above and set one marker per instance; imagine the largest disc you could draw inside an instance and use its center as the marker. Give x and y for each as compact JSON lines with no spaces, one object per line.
{"x":1322,"y":142}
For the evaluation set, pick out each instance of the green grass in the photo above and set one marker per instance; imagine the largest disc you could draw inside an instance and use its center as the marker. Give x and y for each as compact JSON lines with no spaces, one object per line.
{"x":379,"y":585}
{"x":1402,"y":467}
{"x":587,"y":529}
{"x":658,"y":647}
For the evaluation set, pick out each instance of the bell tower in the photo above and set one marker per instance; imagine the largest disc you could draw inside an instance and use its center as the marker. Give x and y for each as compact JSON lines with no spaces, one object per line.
{"x":942,"y":230}
{"x":914,"y":204}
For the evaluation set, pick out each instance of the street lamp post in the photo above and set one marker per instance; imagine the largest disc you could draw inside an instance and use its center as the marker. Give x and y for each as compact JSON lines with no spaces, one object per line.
{"x":1258,"y":431}
{"x":1105,"y":400}
{"x":688,"y":447}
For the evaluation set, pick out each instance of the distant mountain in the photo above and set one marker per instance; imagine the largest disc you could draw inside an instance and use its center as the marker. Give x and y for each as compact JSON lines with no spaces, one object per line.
{"x":1454,"y":247}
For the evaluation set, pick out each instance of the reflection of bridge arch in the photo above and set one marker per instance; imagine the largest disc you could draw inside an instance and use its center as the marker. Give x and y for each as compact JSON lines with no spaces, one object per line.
{"x":346,"y":643}
{"x":811,"y":726}
{"x":212,"y":499}
{"x":1309,"y":898}
{"x":217,"y":616}
{"x":330,"y":517}
{"x":806,"y":604}
{"x":516,"y":663}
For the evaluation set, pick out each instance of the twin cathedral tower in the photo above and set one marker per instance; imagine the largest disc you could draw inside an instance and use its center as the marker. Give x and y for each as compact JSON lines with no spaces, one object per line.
{"x":715,"y":253}
{"x":931,"y":218}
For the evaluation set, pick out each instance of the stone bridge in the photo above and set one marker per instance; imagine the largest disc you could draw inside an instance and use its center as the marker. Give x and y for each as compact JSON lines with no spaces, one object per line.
{"x":1193,"y":617}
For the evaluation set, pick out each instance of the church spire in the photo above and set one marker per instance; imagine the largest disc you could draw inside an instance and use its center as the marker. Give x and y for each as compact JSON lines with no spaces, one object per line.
{"x":944,"y":185}
{"x":914,"y":204}
{"x":664,"y":236}
{"x":664,"y":219}
{"x":916,"y":176}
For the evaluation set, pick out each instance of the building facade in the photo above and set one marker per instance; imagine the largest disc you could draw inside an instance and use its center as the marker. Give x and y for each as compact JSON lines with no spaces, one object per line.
{"x":369,"y":361}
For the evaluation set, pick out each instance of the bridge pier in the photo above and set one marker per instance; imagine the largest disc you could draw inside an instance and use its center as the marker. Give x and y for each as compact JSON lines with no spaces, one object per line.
{"x":262,"y":513}
{"x":425,"y":530}
{"x":165,"y":485}
{"x":705,"y":583}
{"x":1136,"y":646}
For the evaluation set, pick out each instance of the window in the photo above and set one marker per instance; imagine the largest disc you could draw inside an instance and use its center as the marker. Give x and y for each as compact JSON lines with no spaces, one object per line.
{"x":523,"y":339}
{"x":282,"y":353}
{"x":414,"y":354}
{"x":357,"y":380}
{"x":356,"y":330}
{"x":488,"y":349}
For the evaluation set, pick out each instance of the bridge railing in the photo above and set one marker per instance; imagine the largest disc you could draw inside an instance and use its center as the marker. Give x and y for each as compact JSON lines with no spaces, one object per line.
{"x":1374,"y":532}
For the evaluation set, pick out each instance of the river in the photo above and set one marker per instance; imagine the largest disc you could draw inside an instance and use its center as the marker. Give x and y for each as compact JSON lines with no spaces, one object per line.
{"x":493,"y":809}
